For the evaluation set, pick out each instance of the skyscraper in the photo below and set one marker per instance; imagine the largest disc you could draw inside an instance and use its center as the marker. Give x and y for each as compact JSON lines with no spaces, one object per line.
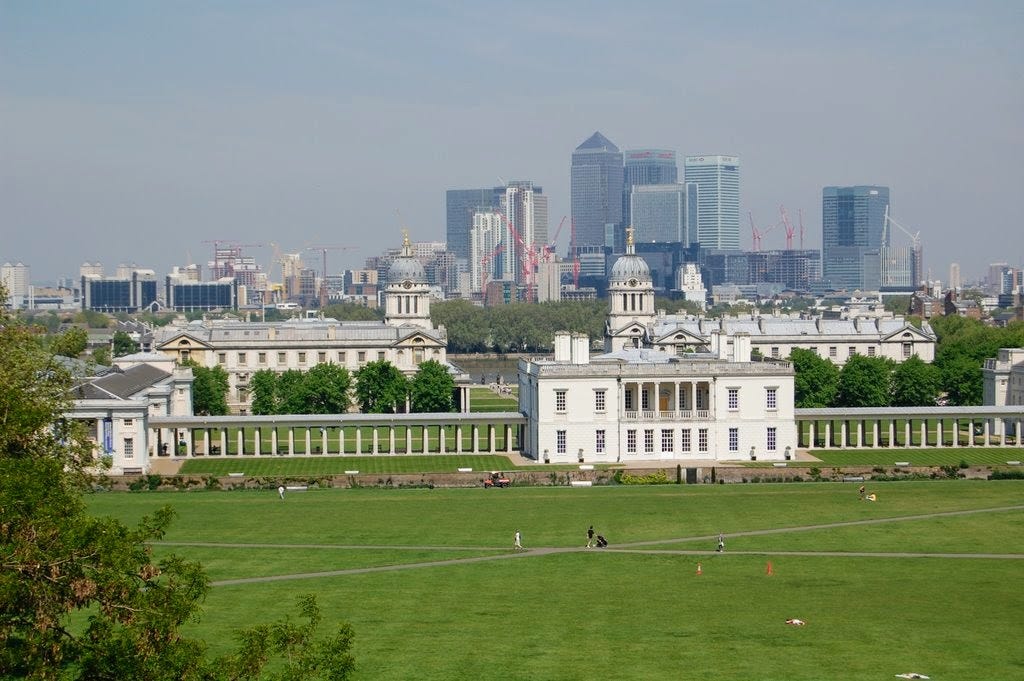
{"x":461,"y":204}
{"x":852,"y":235}
{"x":718,"y":200}
{"x":646,"y":167}
{"x":659,"y":213}
{"x":596,"y":191}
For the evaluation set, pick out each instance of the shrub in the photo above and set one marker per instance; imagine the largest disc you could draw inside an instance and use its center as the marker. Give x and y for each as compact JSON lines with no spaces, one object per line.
{"x":1006,"y":475}
{"x":655,"y":478}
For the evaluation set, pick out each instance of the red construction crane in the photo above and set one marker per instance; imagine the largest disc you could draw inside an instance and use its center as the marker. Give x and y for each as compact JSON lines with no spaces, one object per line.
{"x":789,"y":227}
{"x":549,"y":248}
{"x":527,"y":259}
{"x":485,"y":261}
{"x":323,"y":278}
{"x":757,"y":235}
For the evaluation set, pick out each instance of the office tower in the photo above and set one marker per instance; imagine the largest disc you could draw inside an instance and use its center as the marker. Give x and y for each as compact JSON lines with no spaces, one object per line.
{"x":596,"y":191}
{"x":659,"y":213}
{"x":718,"y":200}
{"x":488,"y":240}
{"x":120,"y":294}
{"x":187,"y":295}
{"x":16,"y":280}
{"x":526,"y":210}
{"x":461,"y":204}
{"x":955,"y":282}
{"x":852,"y":235}
{"x":646,"y":167}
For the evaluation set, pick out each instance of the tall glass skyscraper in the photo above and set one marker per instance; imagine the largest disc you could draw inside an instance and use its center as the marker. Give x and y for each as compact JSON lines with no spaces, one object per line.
{"x":461,"y":205}
{"x":852,"y":235}
{"x":718,"y":200}
{"x":596,"y":191}
{"x":646,"y":167}
{"x":660,"y":213}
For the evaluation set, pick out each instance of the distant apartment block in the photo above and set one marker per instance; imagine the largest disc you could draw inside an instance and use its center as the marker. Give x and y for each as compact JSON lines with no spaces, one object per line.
{"x":120,"y":294}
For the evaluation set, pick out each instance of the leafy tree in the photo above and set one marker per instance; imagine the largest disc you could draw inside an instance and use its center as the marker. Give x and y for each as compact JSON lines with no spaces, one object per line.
{"x":264,"y":392}
{"x":291,"y":392}
{"x":80,"y":596}
{"x":327,"y":389}
{"x":381,"y":388}
{"x":101,"y":356}
{"x":898,"y":304}
{"x":865,"y":382}
{"x":92,"y":319}
{"x":915,"y":383}
{"x":209,"y":390}
{"x":71,"y":343}
{"x":431,"y":388}
{"x":352,"y":312}
{"x":123,"y":344}
{"x":816,"y":381}
{"x":962,"y":380}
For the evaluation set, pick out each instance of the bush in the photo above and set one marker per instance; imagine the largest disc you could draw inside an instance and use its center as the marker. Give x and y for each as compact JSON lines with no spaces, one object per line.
{"x":1006,"y":475}
{"x":655,"y":478}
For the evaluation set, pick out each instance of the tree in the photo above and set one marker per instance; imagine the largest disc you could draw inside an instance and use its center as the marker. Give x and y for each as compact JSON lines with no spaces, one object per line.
{"x":101,"y":355}
{"x":915,"y":383}
{"x":209,"y":390}
{"x":71,"y":343}
{"x":865,"y":382}
{"x":962,"y":381}
{"x":263,"y":387}
{"x":380,"y":388}
{"x":816,"y":381}
{"x":123,"y":344}
{"x":80,"y":596}
{"x":352,"y":312}
{"x":431,"y":388}
{"x":291,"y":392}
{"x":327,"y":389}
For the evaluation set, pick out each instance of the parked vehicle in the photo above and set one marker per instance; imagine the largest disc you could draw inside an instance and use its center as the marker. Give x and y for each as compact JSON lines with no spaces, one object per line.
{"x":496,"y":479}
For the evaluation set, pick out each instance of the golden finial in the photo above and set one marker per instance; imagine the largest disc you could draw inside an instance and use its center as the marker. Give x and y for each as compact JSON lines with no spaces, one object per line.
{"x":405,"y":238}
{"x":629,"y":237}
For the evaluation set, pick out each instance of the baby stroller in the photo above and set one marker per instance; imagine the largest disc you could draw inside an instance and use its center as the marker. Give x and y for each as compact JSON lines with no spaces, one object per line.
{"x":601,"y":542}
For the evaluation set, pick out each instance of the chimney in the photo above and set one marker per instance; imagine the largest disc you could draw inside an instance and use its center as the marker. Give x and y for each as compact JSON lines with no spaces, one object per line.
{"x":741,"y":347}
{"x":563,"y":346}
{"x":580,"y":348}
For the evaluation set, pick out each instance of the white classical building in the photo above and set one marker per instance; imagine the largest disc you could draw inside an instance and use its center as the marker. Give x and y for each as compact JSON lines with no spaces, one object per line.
{"x":1003,"y":377}
{"x":117,"y":405}
{"x":405,"y":338}
{"x":636,"y":402}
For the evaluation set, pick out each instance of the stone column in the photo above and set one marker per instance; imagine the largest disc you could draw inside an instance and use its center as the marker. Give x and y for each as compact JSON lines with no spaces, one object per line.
{"x":491,"y":432}
{"x":309,"y":441}
{"x":475,"y":430}
{"x":359,"y":440}
{"x":241,"y":441}
{"x":376,"y":442}
{"x":323,"y":440}
{"x":206,"y":441}
{"x":458,"y":439}
{"x":408,"y":440}
{"x":257,"y":443}
{"x":291,"y":441}
{"x":223,"y":441}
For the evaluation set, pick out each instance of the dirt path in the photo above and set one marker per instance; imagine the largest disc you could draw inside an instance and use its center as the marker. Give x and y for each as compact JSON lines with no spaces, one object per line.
{"x":632,"y":547}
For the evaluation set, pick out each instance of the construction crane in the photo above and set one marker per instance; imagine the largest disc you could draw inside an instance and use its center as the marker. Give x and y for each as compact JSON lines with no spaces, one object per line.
{"x":549,"y":248}
{"x":575,"y":254}
{"x":758,"y":235}
{"x":323,"y":280}
{"x":915,"y":243}
{"x":789,"y":227}
{"x":527,"y":259}
{"x":485,"y":261}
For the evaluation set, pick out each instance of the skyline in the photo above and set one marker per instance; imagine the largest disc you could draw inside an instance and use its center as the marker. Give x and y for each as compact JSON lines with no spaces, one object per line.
{"x":136,"y":132}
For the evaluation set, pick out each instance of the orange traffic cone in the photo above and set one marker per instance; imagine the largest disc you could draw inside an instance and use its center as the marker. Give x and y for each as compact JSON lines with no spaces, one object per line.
{"x":699,"y":571}
{"x":768,"y":569}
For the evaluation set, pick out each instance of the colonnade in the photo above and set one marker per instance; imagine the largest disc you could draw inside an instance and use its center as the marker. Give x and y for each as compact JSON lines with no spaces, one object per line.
{"x":843,"y":429}
{"x":673,"y":400}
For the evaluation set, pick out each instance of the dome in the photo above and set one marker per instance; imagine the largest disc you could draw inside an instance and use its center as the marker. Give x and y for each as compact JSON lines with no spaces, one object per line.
{"x":407,"y":268}
{"x":630,"y":266}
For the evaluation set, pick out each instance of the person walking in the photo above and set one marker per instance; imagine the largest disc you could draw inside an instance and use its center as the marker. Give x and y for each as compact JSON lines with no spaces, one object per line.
{"x":280,"y":491}
{"x":721,"y":542}
{"x":590,"y":537}
{"x":518,"y":543}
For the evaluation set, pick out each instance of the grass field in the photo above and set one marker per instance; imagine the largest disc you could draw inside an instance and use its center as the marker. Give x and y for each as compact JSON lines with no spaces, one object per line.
{"x":637,"y":610}
{"x":977,"y":456}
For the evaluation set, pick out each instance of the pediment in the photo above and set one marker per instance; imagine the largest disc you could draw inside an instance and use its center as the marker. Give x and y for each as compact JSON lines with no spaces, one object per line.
{"x":183,"y":341}
{"x":908,"y":333}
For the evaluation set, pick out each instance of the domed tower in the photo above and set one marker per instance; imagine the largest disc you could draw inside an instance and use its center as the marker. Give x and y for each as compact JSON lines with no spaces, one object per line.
{"x":407,"y":296}
{"x":630,"y":301}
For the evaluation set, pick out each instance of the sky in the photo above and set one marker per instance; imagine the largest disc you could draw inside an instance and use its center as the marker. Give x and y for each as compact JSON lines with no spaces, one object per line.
{"x":139,"y":132}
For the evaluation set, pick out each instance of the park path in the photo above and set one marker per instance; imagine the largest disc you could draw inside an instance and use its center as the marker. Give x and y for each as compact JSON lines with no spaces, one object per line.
{"x":631,"y":547}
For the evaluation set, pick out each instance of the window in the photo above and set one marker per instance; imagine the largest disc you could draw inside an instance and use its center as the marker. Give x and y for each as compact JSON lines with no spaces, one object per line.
{"x":242,"y":361}
{"x":222,"y":358}
{"x":814,"y":349}
{"x":129,"y":448}
{"x":907,"y":349}
{"x":341,"y":358}
{"x":302,"y":358}
{"x":599,"y":441}
{"x":560,"y":441}
{"x":261,"y":358}
{"x":734,"y":439}
{"x":771,"y":438}
{"x":871,"y":351}
{"x":775,"y":351}
{"x":667,"y":440}
{"x":702,"y":440}
{"x":361,"y":356}
{"x":851,"y":351}
{"x":380,"y":356}
{"x":599,"y":400}
{"x":684,"y":439}
{"x":645,"y":399}
{"x":128,"y":423}
{"x":631,"y":441}
{"x":282,"y":359}
{"x":649,"y":440}
{"x":771,"y":398}
{"x":833,"y":351}
{"x":321,"y":357}
{"x":734,"y":398}
{"x":629,"y":400}
{"x":560,"y":401}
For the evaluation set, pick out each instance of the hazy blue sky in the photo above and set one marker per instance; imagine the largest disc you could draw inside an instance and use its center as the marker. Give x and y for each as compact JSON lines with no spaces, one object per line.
{"x":134,"y":131}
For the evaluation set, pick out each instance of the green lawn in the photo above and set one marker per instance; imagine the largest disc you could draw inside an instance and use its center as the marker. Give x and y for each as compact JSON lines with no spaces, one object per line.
{"x":988,"y":456}
{"x":609,"y":614}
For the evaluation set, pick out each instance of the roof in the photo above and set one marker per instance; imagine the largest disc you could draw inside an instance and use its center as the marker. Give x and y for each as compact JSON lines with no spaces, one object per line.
{"x":120,"y":384}
{"x":597,"y":141}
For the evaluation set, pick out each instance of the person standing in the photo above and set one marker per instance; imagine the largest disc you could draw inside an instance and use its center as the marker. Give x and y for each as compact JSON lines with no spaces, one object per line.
{"x":280,"y":491}
{"x":590,"y":537}
{"x":721,"y":542}
{"x":518,"y":543}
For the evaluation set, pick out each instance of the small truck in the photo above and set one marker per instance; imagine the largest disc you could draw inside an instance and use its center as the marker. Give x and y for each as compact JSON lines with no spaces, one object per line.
{"x":496,"y":479}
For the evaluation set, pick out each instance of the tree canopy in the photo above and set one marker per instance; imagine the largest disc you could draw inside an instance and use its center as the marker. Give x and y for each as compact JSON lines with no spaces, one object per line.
{"x":80,"y":596}
{"x":431,"y":388}
{"x":123,"y":344}
{"x":209,"y":390}
{"x":915,"y":383}
{"x":381,"y":388}
{"x":816,"y":381}
{"x":71,"y":343}
{"x":865,"y":382}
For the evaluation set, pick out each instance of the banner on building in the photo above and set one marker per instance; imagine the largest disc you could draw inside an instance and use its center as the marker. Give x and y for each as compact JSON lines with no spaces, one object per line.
{"x":108,"y":436}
